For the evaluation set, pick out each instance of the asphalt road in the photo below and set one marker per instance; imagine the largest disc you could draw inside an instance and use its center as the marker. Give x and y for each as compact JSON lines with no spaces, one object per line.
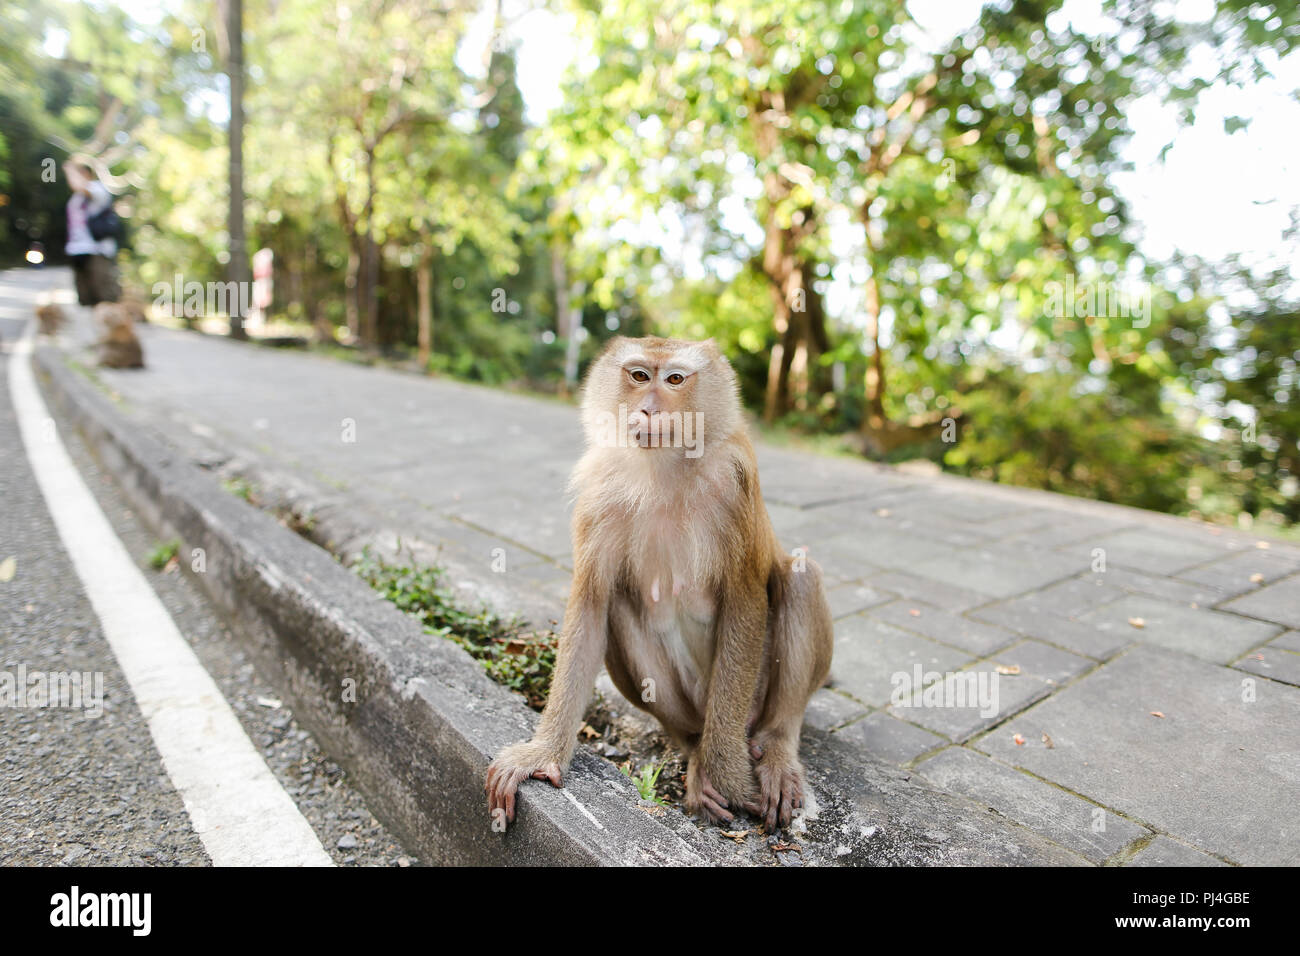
{"x":87,"y":786}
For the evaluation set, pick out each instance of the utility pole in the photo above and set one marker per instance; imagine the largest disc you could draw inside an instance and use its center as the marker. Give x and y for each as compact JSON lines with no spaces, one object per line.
{"x":237,"y":269}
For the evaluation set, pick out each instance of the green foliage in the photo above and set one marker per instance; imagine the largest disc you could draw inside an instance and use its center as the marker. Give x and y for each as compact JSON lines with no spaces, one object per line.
{"x":241,"y":488}
{"x":646,"y":781}
{"x":163,"y":554}
{"x":523,"y":662}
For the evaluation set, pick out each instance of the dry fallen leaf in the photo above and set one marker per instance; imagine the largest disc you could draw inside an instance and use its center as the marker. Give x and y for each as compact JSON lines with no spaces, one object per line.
{"x":1137,"y":622}
{"x":914,"y":612}
{"x":737,"y":835}
{"x":8,"y":567}
{"x":589,"y":732}
{"x":1020,"y":741}
{"x":786,"y":847}
{"x":1156,"y":713}
{"x":1008,"y":668}
{"x":1256,"y":578}
{"x":1262,"y":545}
{"x":1048,"y":740}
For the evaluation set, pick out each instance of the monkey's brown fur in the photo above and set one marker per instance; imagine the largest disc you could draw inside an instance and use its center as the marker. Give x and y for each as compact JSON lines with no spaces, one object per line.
{"x":134,"y":306}
{"x":118,"y":345}
{"x":49,"y":317}
{"x":680,"y":586}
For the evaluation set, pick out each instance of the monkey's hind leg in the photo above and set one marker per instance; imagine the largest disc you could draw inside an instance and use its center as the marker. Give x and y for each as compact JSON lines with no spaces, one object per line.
{"x":799,"y":662}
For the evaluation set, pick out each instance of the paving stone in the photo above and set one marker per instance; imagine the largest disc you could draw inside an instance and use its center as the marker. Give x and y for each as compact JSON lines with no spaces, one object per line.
{"x":890,"y":739}
{"x":1029,"y":617}
{"x":919,"y":587}
{"x":1069,"y":820}
{"x":1290,"y":641}
{"x":1272,"y":663}
{"x":861,"y":509}
{"x":539,"y":574}
{"x":1001,"y":571}
{"x":1041,"y":660}
{"x":1200,"y":593}
{"x":827,"y":710}
{"x":1236,"y":572}
{"x":1217,"y":771}
{"x":1210,"y":635}
{"x":541,"y":529}
{"x":846,"y":599}
{"x":1279,"y":602}
{"x":799,"y":526}
{"x":868,"y":652}
{"x":919,"y":515}
{"x":1052,"y":528}
{"x":802,"y":480}
{"x":1151,"y":549}
{"x":851,"y":556}
{"x":1163,"y":851}
{"x":975,"y":636}
{"x":962,"y":703}
{"x":1078,"y":595}
{"x":968,"y":507}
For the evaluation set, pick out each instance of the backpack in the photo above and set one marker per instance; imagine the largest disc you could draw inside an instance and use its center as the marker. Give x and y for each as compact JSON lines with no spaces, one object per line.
{"x":105,"y":224}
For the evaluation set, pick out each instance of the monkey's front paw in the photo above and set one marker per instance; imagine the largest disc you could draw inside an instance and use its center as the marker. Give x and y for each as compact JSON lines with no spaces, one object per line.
{"x":512,"y":767}
{"x":703,"y":798}
{"x":780,"y":790}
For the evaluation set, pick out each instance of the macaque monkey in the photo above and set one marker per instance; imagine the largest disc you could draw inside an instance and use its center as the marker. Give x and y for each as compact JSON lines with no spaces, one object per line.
{"x":49,"y":317}
{"x":118,"y":345}
{"x":134,"y":306}
{"x":679,"y":585}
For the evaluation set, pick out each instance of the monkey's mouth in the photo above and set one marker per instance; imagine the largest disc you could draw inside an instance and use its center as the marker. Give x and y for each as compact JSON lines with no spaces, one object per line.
{"x":653,"y":430}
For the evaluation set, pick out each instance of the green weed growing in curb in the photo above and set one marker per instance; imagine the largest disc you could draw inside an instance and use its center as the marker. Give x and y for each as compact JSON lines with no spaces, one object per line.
{"x":240,"y":488}
{"x":163,"y":554}
{"x":646,"y":781}
{"x":522,"y":661}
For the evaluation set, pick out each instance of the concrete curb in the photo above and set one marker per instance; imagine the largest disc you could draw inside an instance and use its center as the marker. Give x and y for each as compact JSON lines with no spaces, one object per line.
{"x":426,"y":719}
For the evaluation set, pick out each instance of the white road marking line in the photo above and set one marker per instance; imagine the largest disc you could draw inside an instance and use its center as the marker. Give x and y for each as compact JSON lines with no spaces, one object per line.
{"x":239,"y":810}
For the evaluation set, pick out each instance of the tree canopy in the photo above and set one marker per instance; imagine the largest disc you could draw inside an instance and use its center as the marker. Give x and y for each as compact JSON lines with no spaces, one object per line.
{"x":916,"y":245}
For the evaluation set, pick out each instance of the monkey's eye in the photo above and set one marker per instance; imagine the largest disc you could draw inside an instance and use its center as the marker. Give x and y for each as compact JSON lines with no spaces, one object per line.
{"x":639,"y":375}
{"x":675,"y":379}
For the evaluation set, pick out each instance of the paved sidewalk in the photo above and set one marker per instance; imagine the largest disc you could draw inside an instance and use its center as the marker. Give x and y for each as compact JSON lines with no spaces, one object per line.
{"x":1147,"y":668}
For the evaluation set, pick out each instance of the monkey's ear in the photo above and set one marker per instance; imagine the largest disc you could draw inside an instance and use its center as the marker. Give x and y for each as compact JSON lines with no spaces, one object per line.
{"x":711,"y":349}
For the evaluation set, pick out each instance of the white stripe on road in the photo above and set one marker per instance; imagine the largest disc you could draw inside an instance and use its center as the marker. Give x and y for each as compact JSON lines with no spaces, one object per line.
{"x":239,"y":810}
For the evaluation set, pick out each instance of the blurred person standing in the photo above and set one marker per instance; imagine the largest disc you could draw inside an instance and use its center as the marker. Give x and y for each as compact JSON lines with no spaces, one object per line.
{"x":92,"y":236}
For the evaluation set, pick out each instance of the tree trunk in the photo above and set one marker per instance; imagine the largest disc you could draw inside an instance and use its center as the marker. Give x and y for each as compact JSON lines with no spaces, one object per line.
{"x":793,"y":375}
{"x":424,"y":310}
{"x":875,"y":381}
{"x":238,"y":268}
{"x":879,"y":435}
{"x":368,"y":273}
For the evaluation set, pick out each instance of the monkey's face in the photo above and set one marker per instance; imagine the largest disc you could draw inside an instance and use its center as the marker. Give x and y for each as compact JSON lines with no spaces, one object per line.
{"x":657,"y":393}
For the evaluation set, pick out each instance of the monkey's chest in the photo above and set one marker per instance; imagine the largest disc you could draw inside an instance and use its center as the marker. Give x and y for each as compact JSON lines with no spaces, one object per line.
{"x":677,"y":611}
{"x":682,"y":627}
